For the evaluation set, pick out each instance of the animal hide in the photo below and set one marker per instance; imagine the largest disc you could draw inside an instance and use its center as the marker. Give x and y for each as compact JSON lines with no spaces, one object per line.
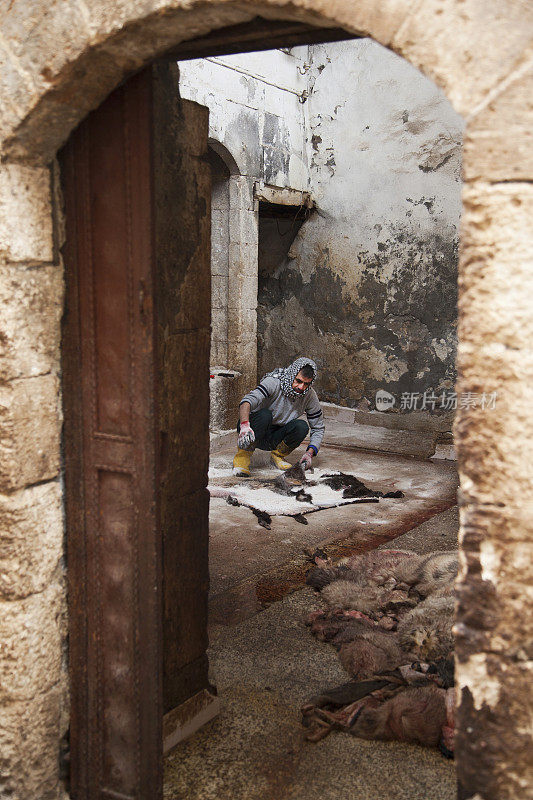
{"x":291,"y":493}
{"x":427,"y":629}
{"x":411,"y":704}
{"x":366,"y":598}
{"x":388,"y":611}
{"x":374,"y":567}
{"x":415,"y":715}
{"x":364,"y":646}
{"x":371,"y":652}
{"x":428,"y":573}
{"x":353,"y":487}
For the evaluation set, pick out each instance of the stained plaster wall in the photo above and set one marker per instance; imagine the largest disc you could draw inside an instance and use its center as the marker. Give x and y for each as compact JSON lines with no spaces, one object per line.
{"x":370,"y":285}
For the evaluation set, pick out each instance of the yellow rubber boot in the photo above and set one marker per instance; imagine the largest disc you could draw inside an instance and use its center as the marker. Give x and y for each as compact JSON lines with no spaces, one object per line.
{"x":241,"y":463}
{"x":277,"y":456}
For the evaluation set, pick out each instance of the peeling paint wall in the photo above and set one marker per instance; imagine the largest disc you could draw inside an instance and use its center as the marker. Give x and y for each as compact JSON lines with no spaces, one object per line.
{"x":256,"y":113}
{"x":370,"y":285}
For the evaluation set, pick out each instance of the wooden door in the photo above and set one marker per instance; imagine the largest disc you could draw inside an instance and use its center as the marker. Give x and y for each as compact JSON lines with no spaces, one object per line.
{"x":126,"y":395}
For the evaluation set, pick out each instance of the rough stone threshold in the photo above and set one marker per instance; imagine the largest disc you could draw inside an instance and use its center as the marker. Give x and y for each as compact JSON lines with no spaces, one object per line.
{"x":251,"y":568}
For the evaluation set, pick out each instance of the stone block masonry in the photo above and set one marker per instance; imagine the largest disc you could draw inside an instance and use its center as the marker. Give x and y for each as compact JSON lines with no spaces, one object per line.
{"x":33,"y":677}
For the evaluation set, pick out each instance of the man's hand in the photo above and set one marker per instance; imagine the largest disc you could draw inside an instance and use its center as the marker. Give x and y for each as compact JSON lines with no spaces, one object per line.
{"x":246,"y":437}
{"x":307,"y":459}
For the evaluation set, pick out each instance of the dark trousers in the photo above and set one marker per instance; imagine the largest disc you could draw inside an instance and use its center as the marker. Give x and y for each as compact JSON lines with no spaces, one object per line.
{"x":268,"y":436}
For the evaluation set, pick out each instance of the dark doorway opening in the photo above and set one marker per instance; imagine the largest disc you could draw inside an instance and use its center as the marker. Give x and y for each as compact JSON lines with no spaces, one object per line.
{"x":278,"y":227}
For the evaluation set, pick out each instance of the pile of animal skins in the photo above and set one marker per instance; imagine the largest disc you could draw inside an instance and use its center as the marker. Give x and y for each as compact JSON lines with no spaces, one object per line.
{"x":389,"y":614}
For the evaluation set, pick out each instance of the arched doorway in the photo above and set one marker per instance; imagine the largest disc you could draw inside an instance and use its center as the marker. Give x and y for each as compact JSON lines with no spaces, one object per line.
{"x":493,"y":340}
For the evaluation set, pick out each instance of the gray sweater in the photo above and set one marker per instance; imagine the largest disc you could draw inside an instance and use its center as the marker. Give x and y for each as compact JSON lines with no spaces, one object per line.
{"x":268,"y":394}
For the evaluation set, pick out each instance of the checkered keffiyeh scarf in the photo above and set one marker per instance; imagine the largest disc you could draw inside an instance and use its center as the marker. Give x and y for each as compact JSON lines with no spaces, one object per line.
{"x":286,"y":376}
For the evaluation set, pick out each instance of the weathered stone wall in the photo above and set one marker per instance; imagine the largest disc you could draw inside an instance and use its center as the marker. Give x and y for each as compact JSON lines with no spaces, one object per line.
{"x":33,"y":676}
{"x":61,"y":60}
{"x":494,"y":623}
{"x":220,"y":213}
{"x":370,"y":285}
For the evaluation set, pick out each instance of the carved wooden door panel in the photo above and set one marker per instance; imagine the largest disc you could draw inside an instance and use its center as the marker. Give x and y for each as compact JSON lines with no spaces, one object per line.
{"x":113,"y":440}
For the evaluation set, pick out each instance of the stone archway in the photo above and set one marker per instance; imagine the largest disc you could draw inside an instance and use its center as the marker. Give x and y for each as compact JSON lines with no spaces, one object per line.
{"x":59,"y":62}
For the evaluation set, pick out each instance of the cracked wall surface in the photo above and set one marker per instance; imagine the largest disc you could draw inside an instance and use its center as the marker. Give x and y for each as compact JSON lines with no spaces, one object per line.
{"x":370,"y":284}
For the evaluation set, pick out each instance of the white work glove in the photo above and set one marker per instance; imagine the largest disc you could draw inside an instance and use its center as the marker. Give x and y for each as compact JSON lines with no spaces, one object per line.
{"x":306,"y":460}
{"x":246,"y":437}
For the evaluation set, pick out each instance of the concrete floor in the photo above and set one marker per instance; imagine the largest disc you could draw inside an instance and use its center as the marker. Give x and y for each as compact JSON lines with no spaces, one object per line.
{"x":265,"y":665}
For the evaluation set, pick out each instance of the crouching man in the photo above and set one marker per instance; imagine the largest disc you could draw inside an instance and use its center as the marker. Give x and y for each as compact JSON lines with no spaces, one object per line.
{"x":269,"y":417}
